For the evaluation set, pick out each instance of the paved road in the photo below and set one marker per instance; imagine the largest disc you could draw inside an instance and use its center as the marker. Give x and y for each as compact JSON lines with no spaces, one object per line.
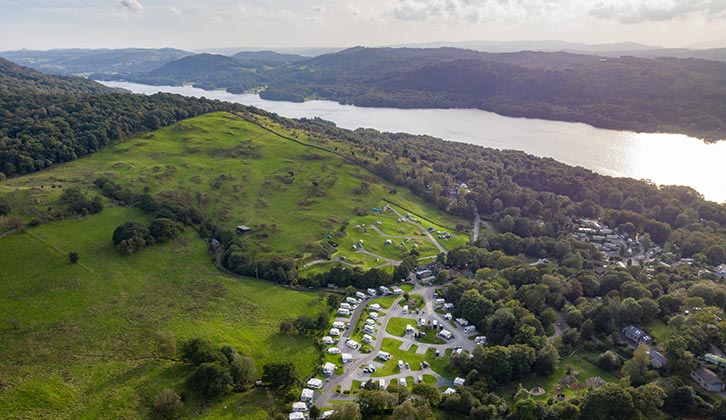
{"x":352,"y":370}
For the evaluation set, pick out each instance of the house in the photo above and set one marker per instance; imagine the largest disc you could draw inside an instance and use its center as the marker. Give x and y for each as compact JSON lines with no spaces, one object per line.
{"x":657,"y":360}
{"x":328,"y":369}
{"x":328,"y":340}
{"x":462,"y":322}
{"x":445,"y":334}
{"x":242,"y":229}
{"x":707,"y":379}
{"x":459,"y":381}
{"x":396,"y":290}
{"x":721,"y":271}
{"x":637,"y":335}
{"x":346,"y":357}
{"x":299,"y":406}
{"x":314,"y":383}
{"x":367,"y":339}
{"x":333,"y":350}
{"x":360,"y":295}
{"x":375,"y":307}
{"x":334,"y":332}
{"x":385,"y":356}
{"x":339,"y":325}
{"x":307,"y":395}
{"x":296,"y":415}
{"x":449,"y":391}
{"x":344,"y":312}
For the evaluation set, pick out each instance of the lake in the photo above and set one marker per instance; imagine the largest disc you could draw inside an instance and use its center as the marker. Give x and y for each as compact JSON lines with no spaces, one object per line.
{"x":665,"y":159}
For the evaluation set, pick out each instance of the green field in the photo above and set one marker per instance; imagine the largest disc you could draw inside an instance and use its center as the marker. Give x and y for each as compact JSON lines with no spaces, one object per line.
{"x":79,"y":341}
{"x":439,"y":365}
{"x":236,"y":172}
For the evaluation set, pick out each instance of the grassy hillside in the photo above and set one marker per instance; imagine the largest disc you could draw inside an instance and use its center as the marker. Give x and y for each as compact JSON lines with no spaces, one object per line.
{"x":236,"y":173}
{"x":80,"y":341}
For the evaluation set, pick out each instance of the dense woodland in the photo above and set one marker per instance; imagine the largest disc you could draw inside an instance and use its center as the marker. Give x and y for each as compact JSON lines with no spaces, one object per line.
{"x":51,"y":119}
{"x":640,"y":94}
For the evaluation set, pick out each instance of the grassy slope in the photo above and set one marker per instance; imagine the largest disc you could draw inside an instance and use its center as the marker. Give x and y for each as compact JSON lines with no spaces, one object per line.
{"x":85,"y":346}
{"x":238,"y":173}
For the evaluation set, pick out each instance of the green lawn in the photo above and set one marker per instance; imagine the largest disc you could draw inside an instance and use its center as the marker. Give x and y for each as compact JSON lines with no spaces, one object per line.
{"x":580,"y":367}
{"x":397,"y":326}
{"x":438,"y":365}
{"x":80,"y":341}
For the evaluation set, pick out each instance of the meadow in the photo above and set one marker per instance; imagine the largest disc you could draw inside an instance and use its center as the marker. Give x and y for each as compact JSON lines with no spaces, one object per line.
{"x":81,"y":340}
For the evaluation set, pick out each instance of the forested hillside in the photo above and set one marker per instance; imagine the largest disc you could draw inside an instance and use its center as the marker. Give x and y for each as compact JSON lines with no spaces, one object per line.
{"x":640,"y":94}
{"x":52,"y":119}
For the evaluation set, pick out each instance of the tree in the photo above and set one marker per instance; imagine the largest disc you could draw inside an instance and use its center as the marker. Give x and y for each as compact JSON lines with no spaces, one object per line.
{"x":73,"y":257}
{"x":649,"y":400}
{"x":197,"y":351}
{"x":163,"y":229}
{"x":428,"y":392}
{"x":166,"y":344}
{"x":377,"y":402}
{"x":637,"y":366}
{"x":412,"y":411}
{"x":279,"y":375}
{"x":131,"y":236}
{"x":4,"y":206}
{"x":167,"y":403}
{"x":608,"y":361}
{"x":346,"y":411}
{"x":610,"y":401}
{"x":211,"y":380}
{"x":242,"y":369}
{"x":548,"y":358}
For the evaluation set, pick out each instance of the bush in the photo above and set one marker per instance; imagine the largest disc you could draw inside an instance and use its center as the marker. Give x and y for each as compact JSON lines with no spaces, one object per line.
{"x":167,"y":404}
{"x":211,"y":380}
{"x":73,"y":257}
{"x":130,"y":237}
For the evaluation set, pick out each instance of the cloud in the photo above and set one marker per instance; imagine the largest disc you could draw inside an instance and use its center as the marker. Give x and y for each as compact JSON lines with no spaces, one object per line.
{"x":131,"y":5}
{"x":632,"y":12}
{"x":477,"y":11}
{"x":174,"y":11}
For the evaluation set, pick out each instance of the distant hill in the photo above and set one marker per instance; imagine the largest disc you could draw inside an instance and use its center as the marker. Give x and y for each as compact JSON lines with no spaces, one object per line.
{"x":86,"y":61}
{"x":268,"y":56}
{"x":543,"y":46}
{"x":49,"y":119}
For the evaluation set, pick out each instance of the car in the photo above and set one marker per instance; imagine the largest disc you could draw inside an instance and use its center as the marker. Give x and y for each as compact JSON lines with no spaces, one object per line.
{"x":425,"y":365}
{"x":400,"y":364}
{"x":408,"y":366}
{"x":366,"y":370}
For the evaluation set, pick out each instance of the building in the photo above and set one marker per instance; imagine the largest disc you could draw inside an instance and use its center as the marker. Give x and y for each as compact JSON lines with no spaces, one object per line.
{"x":707,"y":379}
{"x":459,"y":381}
{"x":314,"y":383}
{"x":242,"y":229}
{"x":328,"y":369}
{"x":307,"y":395}
{"x":637,"y":335}
{"x":657,"y":360}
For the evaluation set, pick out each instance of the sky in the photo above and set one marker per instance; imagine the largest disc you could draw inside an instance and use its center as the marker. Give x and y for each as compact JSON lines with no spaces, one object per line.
{"x":202,"y":24}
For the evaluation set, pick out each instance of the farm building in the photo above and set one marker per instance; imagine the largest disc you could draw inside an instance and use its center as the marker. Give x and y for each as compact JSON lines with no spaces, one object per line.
{"x":242,"y":229}
{"x":459,"y":381}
